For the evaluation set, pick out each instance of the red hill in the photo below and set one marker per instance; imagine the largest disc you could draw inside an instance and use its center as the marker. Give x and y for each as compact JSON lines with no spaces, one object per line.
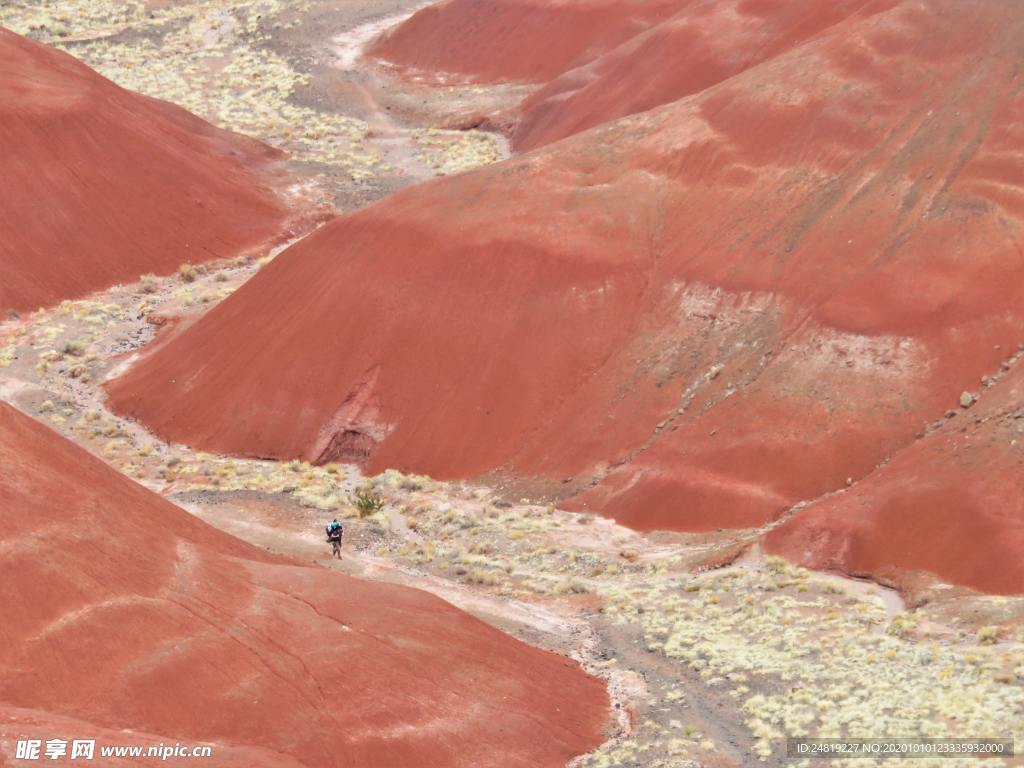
{"x":701,"y":45}
{"x":691,"y":318}
{"x":614,"y":57}
{"x":951,"y":504}
{"x":102,"y":185}
{"x":514,"y":40}
{"x":121,"y":611}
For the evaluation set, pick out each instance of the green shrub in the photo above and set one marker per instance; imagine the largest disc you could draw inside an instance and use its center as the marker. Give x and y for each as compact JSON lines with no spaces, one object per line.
{"x":367,"y":502}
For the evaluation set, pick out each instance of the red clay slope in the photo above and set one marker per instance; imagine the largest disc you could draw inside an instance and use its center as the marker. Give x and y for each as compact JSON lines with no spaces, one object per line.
{"x":613,"y":58}
{"x":121,"y":611}
{"x":698,"y":316}
{"x":515,"y":40}
{"x":101,"y":185}
{"x":703,"y":44}
{"x":952,"y":504}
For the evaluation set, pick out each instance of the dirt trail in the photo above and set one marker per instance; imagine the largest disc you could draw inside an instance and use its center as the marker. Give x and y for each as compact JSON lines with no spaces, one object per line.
{"x":554,"y":625}
{"x":262,"y":520}
{"x":348,"y":46}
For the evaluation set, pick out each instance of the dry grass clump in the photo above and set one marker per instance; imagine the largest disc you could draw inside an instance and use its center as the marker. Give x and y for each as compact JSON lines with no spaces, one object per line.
{"x":410,"y":485}
{"x":570,"y":586}
{"x":73,"y":348}
{"x":483,"y":577}
{"x":188,"y":273}
{"x":7,"y":354}
{"x":79,"y":371}
{"x":902,"y":626}
{"x":450,"y":152}
{"x":776,"y":566}
{"x":988,"y":635}
{"x":420,"y":553}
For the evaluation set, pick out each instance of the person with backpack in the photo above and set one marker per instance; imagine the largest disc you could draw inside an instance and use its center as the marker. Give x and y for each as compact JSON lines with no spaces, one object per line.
{"x":335,"y":531}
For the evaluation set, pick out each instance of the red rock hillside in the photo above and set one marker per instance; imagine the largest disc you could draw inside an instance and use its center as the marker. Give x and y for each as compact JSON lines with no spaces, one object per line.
{"x":121,"y":611}
{"x":953,"y":503}
{"x":613,"y":58}
{"x":691,"y":318}
{"x":703,"y":44}
{"x":514,"y":40}
{"x":101,"y":185}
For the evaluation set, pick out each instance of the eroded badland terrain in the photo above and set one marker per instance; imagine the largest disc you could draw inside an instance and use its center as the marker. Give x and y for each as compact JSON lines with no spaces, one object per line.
{"x":694,"y":331}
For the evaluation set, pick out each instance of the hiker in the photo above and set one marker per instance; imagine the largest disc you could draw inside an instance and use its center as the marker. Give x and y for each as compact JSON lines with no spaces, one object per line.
{"x":335,"y":531}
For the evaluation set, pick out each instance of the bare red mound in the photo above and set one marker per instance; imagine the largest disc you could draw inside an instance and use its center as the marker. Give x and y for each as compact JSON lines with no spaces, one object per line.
{"x":515,"y":40}
{"x":121,"y":611}
{"x":951,"y":505}
{"x":101,"y":185}
{"x":703,"y":44}
{"x":696,"y":316}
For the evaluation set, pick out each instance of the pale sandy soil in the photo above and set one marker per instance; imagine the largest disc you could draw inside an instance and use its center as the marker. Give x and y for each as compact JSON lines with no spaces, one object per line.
{"x":713,"y":653}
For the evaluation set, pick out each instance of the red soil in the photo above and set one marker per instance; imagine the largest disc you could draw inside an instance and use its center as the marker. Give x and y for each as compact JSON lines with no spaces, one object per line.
{"x":515,"y":40}
{"x":101,"y":185}
{"x":613,"y":58}
{"x":698,"y":315}
{"x":121,"y":611}
{"x":703,"y":44}
{"x":952,"y":504}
